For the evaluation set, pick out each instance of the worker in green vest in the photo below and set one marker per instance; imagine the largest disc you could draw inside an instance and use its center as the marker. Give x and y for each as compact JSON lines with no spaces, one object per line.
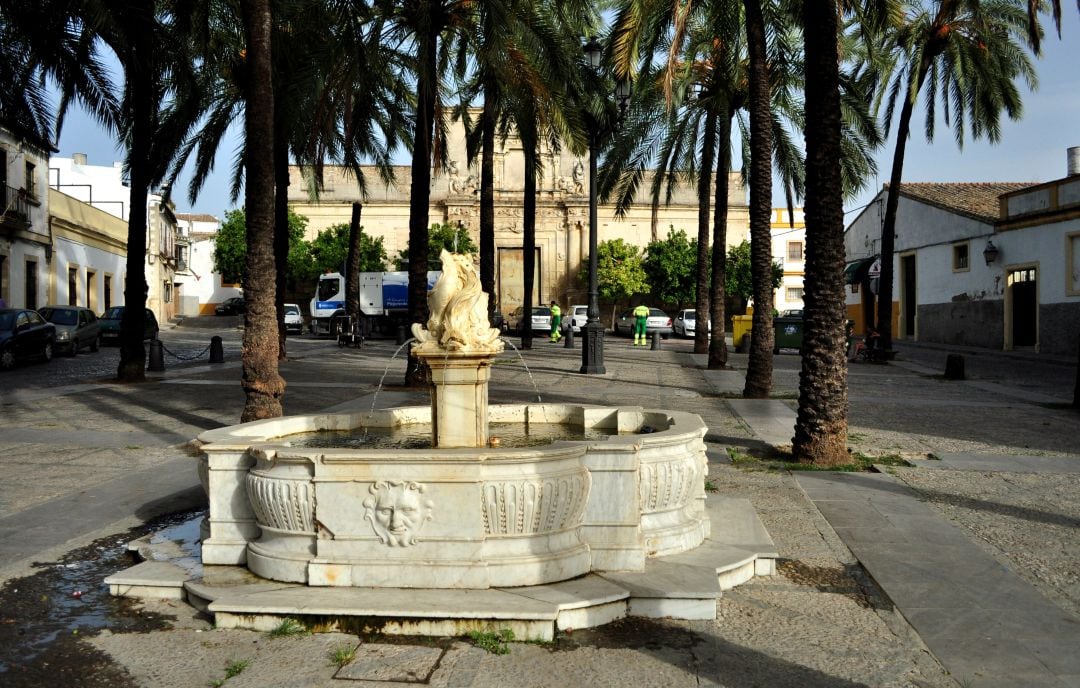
{"x":556,"y":319}
{"x":641,"y":316}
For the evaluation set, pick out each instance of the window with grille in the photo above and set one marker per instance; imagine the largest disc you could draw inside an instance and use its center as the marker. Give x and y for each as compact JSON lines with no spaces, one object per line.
{"x":960,"y":257}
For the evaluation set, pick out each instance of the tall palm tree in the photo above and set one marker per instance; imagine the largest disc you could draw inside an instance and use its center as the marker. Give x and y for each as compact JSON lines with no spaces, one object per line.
{"x":156,"y":112}
{"x":821,"y":421}
{"x":263,"y":385}
{"x":839,"y":129}
{"x":714,"y":60}
{"x":968,"y":54}
{"x":335,"y":100}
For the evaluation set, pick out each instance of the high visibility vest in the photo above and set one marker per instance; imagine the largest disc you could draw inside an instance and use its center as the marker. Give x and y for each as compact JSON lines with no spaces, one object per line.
{"x":641,"y":312}
{"x":556,"y":311}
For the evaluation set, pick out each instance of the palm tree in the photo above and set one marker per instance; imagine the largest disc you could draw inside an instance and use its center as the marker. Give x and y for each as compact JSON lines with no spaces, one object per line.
{"x":967,"y":53}
{"x":263,"y":385}
{"x":47,"y":40}
{"x":714,"y":60}
{"x":821,"y":423}
{"x":335,"y":100}
{"x":837,"y":123}
{"x":155,"y":115}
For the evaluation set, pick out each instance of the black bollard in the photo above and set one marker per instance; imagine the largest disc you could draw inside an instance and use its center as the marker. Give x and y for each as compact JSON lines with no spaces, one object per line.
{"x":568,"y":343}
{"x":217,"y":351}
{"x":954,"y":367}
{"x":157,"y":356}
{"x":401,"y":338}
{"x":655,"y":341}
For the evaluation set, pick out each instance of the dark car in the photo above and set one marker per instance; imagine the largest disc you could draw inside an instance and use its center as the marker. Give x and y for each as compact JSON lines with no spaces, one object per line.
{"x":110,"y":325}
{"x":76,"y":327}
{"x":234,"y":306}
{"x":24,"y":335}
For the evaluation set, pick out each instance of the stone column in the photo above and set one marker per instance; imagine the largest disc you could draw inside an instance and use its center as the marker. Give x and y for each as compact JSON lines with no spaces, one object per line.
{"x":459,"y":398}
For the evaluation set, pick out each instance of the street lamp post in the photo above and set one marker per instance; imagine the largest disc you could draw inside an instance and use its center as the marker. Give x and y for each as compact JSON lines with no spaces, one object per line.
{"x":592,"y":349}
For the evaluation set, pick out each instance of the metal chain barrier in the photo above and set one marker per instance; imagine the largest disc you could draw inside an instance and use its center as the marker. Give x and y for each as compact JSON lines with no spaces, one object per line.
{"x":185,"y":358}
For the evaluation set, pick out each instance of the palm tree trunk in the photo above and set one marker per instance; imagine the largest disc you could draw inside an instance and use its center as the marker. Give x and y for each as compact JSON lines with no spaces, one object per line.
{"x":420,"y":191}
{"x":281,"y":226}
{"x":888,"y":226}
{"x":352,"y":265}
{"x":718,"y":352}
{"x":528,"y":245}
{"x":487,"y":193}
{"x":139,"y":74}
{"x":821,"y":423}
{"x":705,"y":178}
{"x":759,"y":368}
{"x":263,"y":386}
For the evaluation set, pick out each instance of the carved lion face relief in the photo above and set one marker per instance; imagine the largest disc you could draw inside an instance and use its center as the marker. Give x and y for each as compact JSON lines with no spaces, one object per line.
{"x":397,"y":511}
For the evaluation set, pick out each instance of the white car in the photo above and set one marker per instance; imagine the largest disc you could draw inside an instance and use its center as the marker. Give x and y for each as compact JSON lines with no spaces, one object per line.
{"x":685,"y":323}
{"x":658,"y":321}
{"x":294,"y":319}
{"x":579,"y":315}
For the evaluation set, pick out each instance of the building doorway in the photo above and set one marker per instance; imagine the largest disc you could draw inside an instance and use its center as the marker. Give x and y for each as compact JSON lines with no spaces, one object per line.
{"x":1023,"y":304}
{"x":511,"y":285}
{"x":908,"y":304}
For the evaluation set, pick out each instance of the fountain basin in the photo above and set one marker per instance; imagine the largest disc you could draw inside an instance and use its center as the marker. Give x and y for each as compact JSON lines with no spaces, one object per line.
{"x":457,"y":517}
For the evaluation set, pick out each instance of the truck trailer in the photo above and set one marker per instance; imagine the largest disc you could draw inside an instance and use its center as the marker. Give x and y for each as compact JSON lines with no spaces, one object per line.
{"x":384,"y":301}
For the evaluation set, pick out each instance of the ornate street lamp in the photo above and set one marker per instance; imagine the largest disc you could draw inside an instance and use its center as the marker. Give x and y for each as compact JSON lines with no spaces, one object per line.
{"x":592,"y":349}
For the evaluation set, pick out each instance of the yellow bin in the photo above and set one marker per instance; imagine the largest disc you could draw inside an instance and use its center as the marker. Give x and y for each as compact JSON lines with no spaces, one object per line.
{"x":740,"y":327}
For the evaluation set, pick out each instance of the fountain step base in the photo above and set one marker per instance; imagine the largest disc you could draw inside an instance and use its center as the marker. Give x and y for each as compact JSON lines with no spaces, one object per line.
{"x":683,"y":586}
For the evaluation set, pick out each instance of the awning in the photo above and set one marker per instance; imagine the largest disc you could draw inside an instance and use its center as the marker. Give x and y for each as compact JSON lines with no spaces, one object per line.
{"x":856,"y":270}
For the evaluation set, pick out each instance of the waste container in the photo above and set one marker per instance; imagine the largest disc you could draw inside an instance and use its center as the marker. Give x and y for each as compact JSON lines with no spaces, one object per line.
{"x":788,"y":333}
{"x":740,"y":330}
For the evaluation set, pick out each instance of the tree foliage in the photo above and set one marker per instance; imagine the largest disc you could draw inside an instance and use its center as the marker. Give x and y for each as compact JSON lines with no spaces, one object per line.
{"x":230,"y":247}
{"x":620,"y":271}
{"x":739,"y":282}
{"x":330,"y":248}
{"x":671,"y":267}
{"x":453,"y":238}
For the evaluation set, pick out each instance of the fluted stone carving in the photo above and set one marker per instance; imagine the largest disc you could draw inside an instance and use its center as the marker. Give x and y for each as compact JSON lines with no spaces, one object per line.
{"x":666,"y":484}
{"x":282,"y":504}
{"x":527,"y":507}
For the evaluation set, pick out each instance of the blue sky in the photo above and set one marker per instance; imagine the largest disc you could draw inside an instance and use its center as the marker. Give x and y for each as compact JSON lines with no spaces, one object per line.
{"x":1033,"y":149}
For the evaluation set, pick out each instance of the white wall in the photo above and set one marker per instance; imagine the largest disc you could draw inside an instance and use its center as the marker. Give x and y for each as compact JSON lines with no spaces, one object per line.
{"x":101,"y":186}
{"x":69,"y":254}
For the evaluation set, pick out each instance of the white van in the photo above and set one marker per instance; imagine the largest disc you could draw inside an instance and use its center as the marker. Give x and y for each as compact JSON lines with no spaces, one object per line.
{"x":579,"y":315}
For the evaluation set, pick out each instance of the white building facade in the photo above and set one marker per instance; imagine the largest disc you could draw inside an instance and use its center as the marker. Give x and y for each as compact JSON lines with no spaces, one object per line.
{"x":26,"y":248}
{"x":993,"y":265}
{"x":104,"y":187}
{"x":201,"y":289}
{"x":789,"y":249}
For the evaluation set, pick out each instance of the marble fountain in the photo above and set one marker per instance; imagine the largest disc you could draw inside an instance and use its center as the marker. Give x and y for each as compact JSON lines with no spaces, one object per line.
{"x":469,"y":533}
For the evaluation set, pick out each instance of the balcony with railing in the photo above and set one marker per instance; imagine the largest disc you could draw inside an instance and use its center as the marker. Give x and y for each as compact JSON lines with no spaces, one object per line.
{"x":15,"y":209}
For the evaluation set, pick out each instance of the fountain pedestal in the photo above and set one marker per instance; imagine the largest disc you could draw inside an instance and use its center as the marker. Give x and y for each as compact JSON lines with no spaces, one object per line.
{"x":459,"y":397}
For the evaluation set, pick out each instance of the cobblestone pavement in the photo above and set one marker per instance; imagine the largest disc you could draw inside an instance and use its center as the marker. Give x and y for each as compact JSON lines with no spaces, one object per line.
{"x":820,"y":622}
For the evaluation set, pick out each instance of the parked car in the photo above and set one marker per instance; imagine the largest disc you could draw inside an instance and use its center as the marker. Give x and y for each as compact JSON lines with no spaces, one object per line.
{"x":110,"y":325}
{"x":579,"y":315}
{"x":685,"y":323}
{"x":541,"y":319}
{"x":294,"y":319}
{"x":658,"y":321}
{"x":24,"y":335}
{"x":232,"y":306}
{"x":76,"y":327}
